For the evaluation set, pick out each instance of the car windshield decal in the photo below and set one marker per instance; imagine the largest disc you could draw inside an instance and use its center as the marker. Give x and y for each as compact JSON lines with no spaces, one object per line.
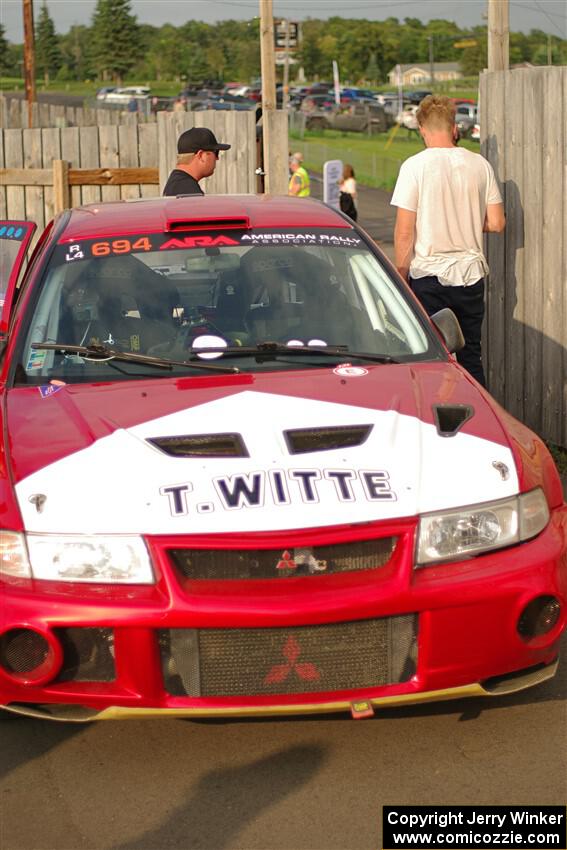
{"x":140,"y":243}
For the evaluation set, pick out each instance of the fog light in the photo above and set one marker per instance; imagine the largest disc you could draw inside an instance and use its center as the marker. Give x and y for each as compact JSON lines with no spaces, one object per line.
{"x":539,"y":617}
{"x":30,"y":657}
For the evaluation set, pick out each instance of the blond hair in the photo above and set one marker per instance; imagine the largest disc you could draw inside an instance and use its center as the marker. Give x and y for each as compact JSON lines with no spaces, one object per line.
{"x":184,"y":158}
{"x":436,"y":112}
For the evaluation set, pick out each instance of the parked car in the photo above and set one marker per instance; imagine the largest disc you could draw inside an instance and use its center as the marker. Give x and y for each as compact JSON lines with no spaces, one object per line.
{"x":312,"y":102}
{"x":220,"y":499}
{"x":104,"y":91}
{"x":416,"y":96}
{"x":408,"y":117}
{"x":124,"y":95}
{"x":224,"y":102}
{"x":357,"y":94}
{"x":356,"y":117}
{"x":466,"y":116}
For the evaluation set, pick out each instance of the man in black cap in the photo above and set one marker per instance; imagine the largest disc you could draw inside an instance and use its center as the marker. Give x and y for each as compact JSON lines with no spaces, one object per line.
{"x":197,"y":154}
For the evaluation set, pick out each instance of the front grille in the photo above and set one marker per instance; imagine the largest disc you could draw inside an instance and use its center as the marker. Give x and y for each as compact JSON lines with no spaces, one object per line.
{"x":88,"y":655}
{"x":235,"y":564}
{"x":294,"y":660}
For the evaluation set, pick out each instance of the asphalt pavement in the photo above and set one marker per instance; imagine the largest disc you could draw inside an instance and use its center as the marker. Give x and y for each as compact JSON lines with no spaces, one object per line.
{"x":375,"y":214}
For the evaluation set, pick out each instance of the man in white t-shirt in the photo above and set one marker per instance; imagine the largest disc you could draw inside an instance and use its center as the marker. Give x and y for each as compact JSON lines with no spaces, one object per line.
{"x":446,"y":197}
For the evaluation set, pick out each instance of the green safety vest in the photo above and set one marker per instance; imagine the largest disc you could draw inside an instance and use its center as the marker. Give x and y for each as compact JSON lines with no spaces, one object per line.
{"x":304,"y":176}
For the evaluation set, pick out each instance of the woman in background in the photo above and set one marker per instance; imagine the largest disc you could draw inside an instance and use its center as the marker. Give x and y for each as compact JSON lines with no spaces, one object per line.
{"x":347,"y":190}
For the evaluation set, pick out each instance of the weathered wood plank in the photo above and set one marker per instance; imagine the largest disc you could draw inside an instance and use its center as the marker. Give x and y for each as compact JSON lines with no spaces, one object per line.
{"x":3,"y":205}
{"x":513,"y":241}
{"x":129,"y":157}
{"x":532,"y":284}
{"x":15,"y":115}
{"x":109,"y":157}
{"x":280,"y":151}
{"x":61,"y":192}
{"x":167,"y":145}
{"x":492,"y":147}
{"x":14,"y":158}
{"x":147,"y":141}
{"x":554,"y":318}
{"x":35,"y":208}
{"x":71,"y":152}
{"x":25,"y":177}
{"x":90,"y":158}
{"x":51,"y":150}
{"x":112,"y":176}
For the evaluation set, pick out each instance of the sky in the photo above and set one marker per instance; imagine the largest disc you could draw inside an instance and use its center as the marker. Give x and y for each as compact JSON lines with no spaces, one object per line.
{"x":547,"y":15}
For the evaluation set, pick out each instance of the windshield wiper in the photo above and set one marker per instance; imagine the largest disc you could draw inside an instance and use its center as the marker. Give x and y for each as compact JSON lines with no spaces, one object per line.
{"x":102,"y":353}
{"x":271,"y":350}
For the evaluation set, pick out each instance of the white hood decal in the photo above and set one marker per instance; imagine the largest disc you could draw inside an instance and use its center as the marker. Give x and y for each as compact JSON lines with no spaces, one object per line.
{"x":123,"y":484}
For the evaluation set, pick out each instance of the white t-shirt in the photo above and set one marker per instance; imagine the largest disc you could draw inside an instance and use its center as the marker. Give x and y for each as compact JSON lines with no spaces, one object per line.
{"x":449,"y":188}
{"x":349,"y":185}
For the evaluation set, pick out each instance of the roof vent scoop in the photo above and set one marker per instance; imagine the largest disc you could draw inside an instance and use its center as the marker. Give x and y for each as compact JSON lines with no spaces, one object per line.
{"x":202,"y":445}
{"x":305,"y":440}
{"x":450,"y":418}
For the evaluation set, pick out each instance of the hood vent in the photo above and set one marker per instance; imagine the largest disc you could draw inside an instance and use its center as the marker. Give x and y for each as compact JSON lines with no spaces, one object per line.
{"x":450,"y":418}
{"x":202,"y":445}
{"x":305,"y":440}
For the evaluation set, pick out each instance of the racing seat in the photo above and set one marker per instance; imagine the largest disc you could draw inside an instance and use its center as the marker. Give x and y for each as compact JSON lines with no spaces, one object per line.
{"x":294,"y":297}
{"x":120,"y":302}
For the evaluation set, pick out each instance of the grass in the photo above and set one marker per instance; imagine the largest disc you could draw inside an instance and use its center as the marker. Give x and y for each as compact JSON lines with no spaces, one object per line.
{"x":376,"y":159}
{"x":89,"y":88}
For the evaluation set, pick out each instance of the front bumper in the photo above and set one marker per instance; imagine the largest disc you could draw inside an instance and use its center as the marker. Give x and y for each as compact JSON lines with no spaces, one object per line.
{"x":465,"y":616}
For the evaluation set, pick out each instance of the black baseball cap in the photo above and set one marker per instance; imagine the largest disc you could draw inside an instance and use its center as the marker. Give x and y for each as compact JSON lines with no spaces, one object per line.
{"x":199,"y":139}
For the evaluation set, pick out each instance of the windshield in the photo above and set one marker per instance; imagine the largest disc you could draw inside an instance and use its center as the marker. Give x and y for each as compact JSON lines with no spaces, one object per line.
{"x":167,"y":295}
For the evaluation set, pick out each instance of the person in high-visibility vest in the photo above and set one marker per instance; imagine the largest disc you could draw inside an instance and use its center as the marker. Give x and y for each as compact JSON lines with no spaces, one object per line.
{"x":299,"y":180}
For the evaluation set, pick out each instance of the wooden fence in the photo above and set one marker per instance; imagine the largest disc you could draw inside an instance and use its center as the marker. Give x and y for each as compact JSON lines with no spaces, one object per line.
{"x":14,"y":115}
{"x":524,"y":136}
{"x":26,"y":194}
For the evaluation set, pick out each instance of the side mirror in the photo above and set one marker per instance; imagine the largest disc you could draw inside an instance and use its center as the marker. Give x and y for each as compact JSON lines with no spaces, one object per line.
{"x":448,"y":326}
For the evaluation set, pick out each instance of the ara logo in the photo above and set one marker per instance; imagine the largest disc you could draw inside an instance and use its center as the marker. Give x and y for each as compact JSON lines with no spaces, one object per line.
{"x":197,"y":242}
{"x":291,"y":653}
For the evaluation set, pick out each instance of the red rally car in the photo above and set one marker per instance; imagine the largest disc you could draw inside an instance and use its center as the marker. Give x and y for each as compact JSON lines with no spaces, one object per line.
{"x":242,"y":474}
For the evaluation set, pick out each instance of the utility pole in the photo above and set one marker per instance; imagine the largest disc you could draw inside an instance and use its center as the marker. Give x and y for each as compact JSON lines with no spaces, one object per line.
{"x":268,"y":70}
{"x":431,"y":63}
{"x":498,"y":35}
{"x":285,"y":99}
{"x":549,"y":53}
{"x":29,"y":58}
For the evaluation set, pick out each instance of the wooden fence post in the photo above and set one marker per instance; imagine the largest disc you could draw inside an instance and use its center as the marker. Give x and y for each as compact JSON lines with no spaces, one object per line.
{"x":61,"y":193}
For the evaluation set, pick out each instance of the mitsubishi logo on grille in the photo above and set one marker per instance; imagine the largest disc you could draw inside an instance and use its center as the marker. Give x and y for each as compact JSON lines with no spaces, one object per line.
{"x":302,"y":558}
{"x":286,"y":562}
{"x":305,"y":670}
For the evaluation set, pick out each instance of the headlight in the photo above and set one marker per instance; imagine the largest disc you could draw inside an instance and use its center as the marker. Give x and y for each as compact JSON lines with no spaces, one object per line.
{"x":458,"y":534}
{"x":106,"y":560}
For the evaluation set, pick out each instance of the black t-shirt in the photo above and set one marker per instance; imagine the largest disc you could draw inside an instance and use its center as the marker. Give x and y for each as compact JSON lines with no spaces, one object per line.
{"x":181,"y":183}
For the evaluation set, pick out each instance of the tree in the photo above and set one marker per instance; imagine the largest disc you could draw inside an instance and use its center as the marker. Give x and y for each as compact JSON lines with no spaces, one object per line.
{"x":48,"y":58}
{"x":4,"y":51}
{"x":117,"y":43}
{"x":76,"y":50}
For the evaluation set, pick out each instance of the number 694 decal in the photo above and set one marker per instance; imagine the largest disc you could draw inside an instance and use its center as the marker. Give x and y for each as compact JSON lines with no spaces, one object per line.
{"x":120,"y":246}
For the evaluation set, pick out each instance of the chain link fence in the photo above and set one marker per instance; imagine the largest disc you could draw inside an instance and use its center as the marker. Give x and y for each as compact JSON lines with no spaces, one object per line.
{"x":371,"y":168}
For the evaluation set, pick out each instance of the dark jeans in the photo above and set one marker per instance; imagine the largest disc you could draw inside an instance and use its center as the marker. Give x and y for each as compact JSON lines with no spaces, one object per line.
{"x":467,"y":303}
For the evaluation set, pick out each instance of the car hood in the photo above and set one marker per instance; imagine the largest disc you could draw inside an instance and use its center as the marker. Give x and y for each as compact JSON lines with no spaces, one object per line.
{"x":370,"y":447}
